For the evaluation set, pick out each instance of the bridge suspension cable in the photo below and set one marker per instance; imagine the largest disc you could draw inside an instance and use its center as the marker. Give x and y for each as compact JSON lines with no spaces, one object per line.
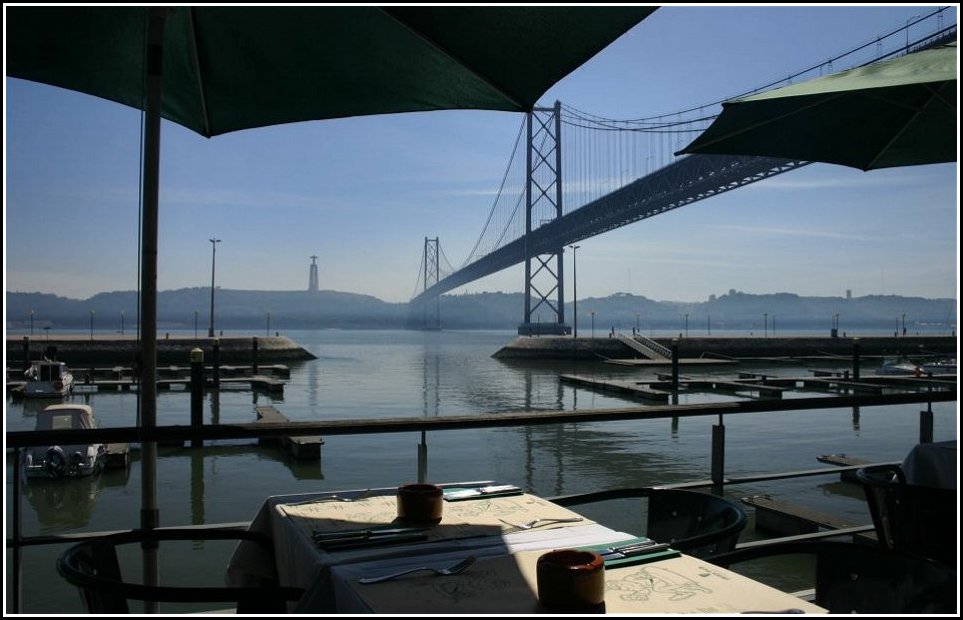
{"x":602,"y":156}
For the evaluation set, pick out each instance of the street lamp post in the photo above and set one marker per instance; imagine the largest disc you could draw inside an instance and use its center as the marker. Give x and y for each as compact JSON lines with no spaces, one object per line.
{"x":91,"y":324}
{"x":31,"y":322}
{"x":593,"y":324}
{"x":121,"y":322}
{"x":574,"y":293}
{"x":904,"y":324}
{"x":268,"y":333}
{"x":195,"y":325}
{"x":765,"y":324}
{"x":686,"y":324}
{"x":214,"y":242}
{"x":709,"y":324}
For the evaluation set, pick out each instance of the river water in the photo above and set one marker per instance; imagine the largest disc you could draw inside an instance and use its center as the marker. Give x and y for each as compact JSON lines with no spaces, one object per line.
{"x":377,"y":374}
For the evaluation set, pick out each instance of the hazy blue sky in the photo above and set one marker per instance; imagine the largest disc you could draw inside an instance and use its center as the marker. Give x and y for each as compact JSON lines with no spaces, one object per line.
{"x":363,"y":193}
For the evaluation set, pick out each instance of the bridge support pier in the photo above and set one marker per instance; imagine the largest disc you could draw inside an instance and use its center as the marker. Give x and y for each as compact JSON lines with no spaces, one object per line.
{"x":544,"y":281}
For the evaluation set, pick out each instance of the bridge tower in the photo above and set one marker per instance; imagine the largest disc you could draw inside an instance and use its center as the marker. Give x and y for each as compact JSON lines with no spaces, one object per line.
{"x":544,"y":298}
{"x":432,"y":314}
{"x":313,"y":274}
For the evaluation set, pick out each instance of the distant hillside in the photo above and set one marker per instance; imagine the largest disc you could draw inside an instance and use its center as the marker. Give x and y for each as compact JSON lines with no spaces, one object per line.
{"x":279,"y":310}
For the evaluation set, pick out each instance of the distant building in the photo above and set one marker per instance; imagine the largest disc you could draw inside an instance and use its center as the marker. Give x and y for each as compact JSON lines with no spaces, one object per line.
{"x":849,"y":293}
{"x":313,"y":275}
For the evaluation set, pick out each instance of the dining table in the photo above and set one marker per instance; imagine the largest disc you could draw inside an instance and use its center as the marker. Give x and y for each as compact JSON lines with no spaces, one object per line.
{"x":330,"y":543}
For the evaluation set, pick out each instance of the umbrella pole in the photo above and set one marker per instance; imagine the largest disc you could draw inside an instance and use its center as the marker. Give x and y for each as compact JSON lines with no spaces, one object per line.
{"x":149,"y":515}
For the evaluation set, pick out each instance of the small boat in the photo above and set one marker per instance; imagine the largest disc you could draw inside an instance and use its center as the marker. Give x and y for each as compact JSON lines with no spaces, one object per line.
{"x":940,"y":367}
{"x":48,"y":379}
{"x":65,"y":461}
{"x":900,"y":367}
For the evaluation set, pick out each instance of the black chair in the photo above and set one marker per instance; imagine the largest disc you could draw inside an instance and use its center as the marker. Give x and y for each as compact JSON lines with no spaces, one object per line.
{"x":861,"y":578}
{"x":699,"y":524}
{"x":916,"y":519}
{"x":93,"y":566}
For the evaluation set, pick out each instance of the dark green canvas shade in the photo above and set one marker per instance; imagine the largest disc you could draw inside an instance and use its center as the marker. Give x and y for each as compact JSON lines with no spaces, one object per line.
{"x":216,"y":69}
{"x":231,"y":68}
{"x":900,"y":112}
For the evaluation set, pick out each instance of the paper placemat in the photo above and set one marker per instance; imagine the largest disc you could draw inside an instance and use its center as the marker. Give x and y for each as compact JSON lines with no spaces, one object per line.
{"x":463,"y":519}
{"x":507,"y":584}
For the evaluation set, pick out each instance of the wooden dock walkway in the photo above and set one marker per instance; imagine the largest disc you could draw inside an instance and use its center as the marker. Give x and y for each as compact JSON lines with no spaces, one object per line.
{"x":787,"y":519}
{"x":635,"y":389}
{"x":300,"y":447}
{"x":753,"y":385}
{"x":81,"y":385}
{"x":118,"y":456}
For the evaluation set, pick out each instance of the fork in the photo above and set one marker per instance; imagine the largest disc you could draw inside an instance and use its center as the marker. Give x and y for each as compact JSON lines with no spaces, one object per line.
{"x":332,"y":498}
{"x":536,"y":522}
{"x":454,"y":569}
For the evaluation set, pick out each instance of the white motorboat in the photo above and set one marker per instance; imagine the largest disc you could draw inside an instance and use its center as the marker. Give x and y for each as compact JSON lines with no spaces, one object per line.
{"x":900,"y":367}
{"x":48,"y":379}
{"x":940,"y":367}
{"x":65,"y":460}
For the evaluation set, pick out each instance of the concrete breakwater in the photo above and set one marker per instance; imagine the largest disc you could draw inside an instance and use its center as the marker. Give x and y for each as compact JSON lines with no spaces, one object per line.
{"x":80,"y":350}
{"x":566,"y":347}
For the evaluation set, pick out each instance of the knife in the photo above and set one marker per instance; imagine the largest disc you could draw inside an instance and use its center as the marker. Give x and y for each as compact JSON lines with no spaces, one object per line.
{"x":365,"y":533}
{"x":500,"y":489}
{"x":632,"y":551}
{"x":360,"y":542}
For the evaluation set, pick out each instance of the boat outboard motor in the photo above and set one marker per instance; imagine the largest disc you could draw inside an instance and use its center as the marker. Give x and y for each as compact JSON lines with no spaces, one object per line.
{"x":55,"y":462}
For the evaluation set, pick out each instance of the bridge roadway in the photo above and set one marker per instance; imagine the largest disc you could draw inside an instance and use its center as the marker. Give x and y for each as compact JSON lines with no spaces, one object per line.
{"x":683,"y":182}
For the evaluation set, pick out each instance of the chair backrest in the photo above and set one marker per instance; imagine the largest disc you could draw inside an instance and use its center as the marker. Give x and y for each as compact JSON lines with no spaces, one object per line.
{"x":697,"y":523}
{"x":700,"y":524}
{"x":93,"y":566}
{"x":864,"y":578}
{"x":912,"y":518}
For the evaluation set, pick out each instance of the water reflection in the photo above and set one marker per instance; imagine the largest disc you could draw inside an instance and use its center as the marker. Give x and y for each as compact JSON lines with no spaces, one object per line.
{"x":63,"y":503}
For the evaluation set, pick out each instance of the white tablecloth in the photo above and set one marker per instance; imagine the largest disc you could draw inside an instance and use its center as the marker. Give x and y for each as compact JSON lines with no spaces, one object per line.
{"x":330,"y":578}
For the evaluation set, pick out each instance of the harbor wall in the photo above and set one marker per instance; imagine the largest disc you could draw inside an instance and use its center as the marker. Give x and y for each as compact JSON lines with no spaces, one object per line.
{"x":564,"y":347}
{"x":79,"y":350}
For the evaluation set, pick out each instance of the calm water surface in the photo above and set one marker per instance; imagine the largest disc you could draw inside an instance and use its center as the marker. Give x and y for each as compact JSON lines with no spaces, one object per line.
{"x":378,"y":374}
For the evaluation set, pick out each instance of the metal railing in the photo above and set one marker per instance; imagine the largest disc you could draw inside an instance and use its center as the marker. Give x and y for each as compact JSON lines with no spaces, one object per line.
{"x":19,"y":440}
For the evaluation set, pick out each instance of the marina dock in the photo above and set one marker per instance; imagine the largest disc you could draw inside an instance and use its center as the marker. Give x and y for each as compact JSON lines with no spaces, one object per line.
{"x":300,"y":446}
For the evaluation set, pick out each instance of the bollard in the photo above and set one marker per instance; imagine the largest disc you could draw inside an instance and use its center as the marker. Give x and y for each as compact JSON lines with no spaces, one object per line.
{"x":855,"y":359}
{"x":197,"y":393}
{"x":216,"y":361}
{"x":254,"y":356}
{"x":675,"y":364}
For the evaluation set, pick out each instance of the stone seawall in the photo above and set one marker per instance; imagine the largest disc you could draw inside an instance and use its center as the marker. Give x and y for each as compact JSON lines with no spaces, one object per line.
{"x":563,"y":347}
{"x":78,"y":350}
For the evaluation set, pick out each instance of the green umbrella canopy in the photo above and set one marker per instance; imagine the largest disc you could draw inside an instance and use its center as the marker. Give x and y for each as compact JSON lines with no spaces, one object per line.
{"x":227,"y":68}
{"x":216,"y":69}
{"x":900,"y":112}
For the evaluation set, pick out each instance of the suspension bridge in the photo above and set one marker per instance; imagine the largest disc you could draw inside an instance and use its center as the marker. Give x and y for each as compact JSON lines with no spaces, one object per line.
{"x":611,"y":173}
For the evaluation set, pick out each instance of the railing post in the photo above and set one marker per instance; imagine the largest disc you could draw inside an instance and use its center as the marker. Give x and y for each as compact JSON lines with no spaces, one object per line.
{"x":855,"y":359}
{"x":216,"y":364}
{"x":254,"y":356}
{"x":423,"y":458}
{"x":197,"y":393}
{"x":16,"y":551}
{"x":718,"y":457}
{"x":926,"y":424}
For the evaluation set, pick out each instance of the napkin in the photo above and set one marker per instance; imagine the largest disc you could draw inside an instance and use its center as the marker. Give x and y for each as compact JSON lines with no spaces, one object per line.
{"x":642,"y":558}
{"x":457,"y":494}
